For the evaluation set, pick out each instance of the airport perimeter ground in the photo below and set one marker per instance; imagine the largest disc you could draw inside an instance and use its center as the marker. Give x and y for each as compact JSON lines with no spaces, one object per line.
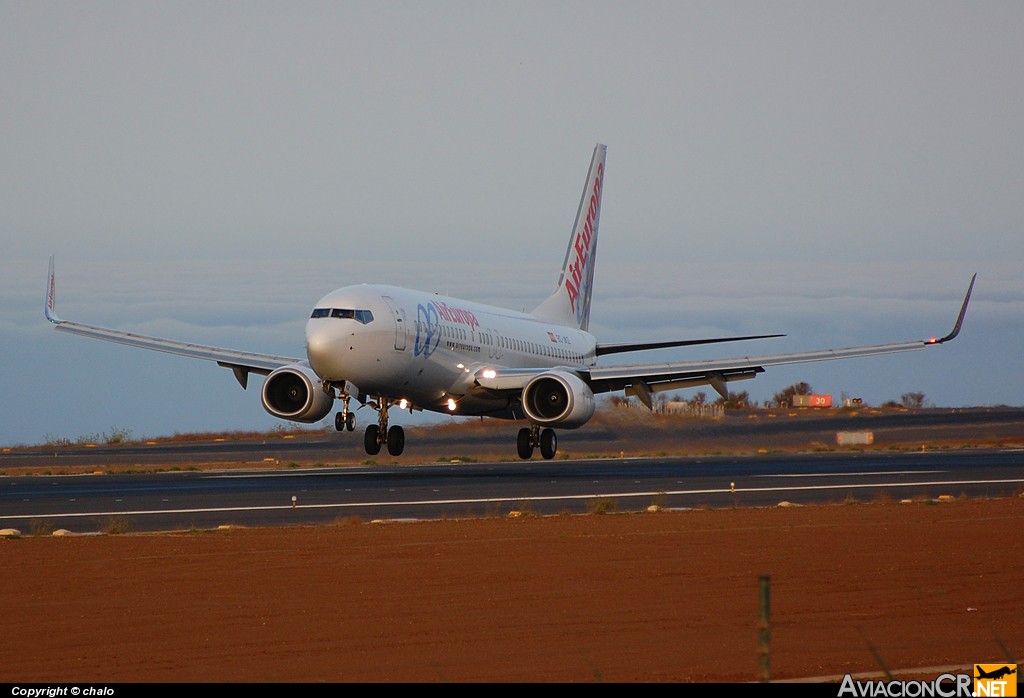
{"x":917,"y":588}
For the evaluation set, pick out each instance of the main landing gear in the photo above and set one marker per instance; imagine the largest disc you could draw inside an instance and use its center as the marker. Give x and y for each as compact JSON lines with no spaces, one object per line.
{"x":534,"y":436}
{"x":379,"y":434}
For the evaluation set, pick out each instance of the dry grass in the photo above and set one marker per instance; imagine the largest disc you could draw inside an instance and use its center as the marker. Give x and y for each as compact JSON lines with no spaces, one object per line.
{"x":612,"y":433}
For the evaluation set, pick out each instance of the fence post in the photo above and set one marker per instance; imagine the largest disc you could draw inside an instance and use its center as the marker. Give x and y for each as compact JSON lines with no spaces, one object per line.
{"x":764,"y":651}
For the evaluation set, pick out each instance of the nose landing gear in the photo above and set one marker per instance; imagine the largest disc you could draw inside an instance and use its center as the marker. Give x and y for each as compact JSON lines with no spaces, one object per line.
{"x":346,"y":419}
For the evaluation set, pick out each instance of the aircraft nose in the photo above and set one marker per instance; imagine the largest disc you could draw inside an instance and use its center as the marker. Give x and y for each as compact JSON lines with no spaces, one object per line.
{"x":323,"y":349}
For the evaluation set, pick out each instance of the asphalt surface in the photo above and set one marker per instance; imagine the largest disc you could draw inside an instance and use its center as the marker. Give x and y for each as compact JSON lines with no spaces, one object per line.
{"x":182,"y":500}
{"x":760,"y":458}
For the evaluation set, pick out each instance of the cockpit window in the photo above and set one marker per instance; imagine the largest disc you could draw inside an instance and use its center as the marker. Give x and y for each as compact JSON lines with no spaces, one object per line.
{"x":363,"y":316}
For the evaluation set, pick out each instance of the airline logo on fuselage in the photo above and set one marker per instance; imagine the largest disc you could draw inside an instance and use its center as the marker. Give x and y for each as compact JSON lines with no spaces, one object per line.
{"x":577,"y":280}
{"x":459,"y":315}
{"x":428,"y":324}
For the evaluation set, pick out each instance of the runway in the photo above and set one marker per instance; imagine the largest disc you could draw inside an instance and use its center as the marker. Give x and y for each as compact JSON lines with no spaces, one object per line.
{"x":208,"y":499}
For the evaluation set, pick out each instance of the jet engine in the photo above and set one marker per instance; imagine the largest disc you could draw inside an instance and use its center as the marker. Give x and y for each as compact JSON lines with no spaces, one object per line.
{"x":558,"y":398}
{"x":293,"y":392}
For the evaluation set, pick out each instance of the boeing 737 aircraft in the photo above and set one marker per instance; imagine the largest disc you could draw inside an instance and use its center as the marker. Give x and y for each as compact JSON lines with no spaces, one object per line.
{"x":387,"y":346}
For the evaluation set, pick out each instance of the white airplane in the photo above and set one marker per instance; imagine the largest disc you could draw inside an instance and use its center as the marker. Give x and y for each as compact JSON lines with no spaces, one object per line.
{"x":387,"y":346}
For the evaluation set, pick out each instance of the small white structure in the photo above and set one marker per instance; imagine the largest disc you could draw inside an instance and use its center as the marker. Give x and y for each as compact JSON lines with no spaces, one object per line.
{"x":855,"y":438}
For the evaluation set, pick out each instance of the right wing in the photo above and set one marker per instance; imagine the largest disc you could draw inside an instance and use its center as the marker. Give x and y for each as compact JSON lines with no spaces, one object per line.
{"x":646,"y":379}
{"x":241,"y":362}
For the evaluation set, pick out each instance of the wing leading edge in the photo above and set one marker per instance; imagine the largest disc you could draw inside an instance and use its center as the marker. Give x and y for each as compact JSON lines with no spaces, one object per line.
{"x":241,"y":362}
{"x":645,"y":380}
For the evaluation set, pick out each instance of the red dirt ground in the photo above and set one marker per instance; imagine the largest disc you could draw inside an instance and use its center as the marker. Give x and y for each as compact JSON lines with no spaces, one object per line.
{"x":655,"y":597}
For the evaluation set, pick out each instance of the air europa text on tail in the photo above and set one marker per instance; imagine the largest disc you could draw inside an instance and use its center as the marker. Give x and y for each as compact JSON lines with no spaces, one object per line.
{"x":578,"y":268}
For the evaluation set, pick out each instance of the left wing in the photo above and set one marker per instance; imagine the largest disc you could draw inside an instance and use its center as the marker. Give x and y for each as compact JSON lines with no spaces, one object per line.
{"x":241,"y":362}
{"x":644,"y":380}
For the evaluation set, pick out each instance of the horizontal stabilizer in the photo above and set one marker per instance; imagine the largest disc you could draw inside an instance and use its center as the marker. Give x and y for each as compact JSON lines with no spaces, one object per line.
{"x":603,"y":349}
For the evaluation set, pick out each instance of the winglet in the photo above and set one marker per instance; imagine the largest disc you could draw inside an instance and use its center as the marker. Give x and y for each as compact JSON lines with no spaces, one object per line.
{"x":51,"y":315}
{"x":960,"y":318}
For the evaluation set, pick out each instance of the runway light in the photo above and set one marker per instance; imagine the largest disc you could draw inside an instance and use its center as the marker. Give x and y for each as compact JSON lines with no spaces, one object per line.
{"x":451,"y":404}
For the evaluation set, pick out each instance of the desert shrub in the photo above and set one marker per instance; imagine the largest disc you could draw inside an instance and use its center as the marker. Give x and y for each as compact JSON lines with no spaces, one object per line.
{"x":41,"y":527}
{"x":117,"y":435}
{"x":603,"y":505}
{"x":115,"y":525}
{"x":522,"y":508}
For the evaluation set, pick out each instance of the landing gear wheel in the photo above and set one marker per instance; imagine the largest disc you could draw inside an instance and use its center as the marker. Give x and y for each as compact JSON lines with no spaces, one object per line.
{"x":339,"y":421}
{"x":548,"y":444}
{"x":524,"y":444}
{"x":350,"y":421}
{"x":371,"y":440}
{"x":396,"y":440}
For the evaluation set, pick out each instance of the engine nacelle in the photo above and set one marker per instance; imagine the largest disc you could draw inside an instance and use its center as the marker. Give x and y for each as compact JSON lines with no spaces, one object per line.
{"x":558,"y":398}
{"x":293,"y":392}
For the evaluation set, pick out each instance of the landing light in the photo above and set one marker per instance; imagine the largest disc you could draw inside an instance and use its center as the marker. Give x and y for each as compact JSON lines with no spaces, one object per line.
{"x":489,"y":373}
{"x":403,"y":404}
{"x":451,"y":404}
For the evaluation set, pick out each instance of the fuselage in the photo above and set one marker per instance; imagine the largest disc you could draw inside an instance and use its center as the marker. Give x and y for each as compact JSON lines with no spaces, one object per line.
{"x":425,"y":348}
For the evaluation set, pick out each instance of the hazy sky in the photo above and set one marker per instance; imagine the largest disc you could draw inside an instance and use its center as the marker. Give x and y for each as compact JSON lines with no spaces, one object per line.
{"x":207,"y":171}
